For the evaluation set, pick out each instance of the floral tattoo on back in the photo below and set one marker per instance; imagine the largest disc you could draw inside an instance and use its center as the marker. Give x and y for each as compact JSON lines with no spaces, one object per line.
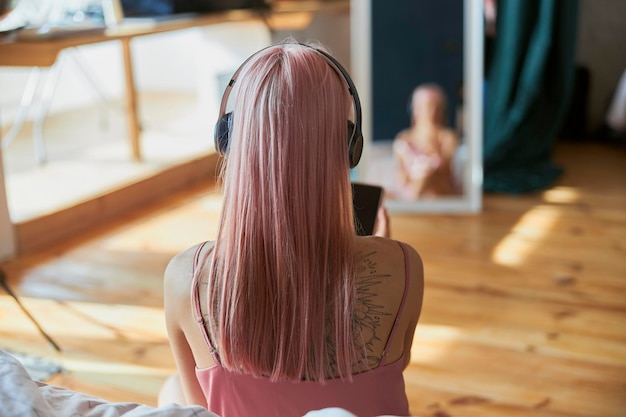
{"x":368,"y":313}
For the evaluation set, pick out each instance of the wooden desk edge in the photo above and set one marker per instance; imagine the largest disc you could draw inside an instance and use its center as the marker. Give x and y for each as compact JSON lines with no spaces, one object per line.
{"x":44,"y":52}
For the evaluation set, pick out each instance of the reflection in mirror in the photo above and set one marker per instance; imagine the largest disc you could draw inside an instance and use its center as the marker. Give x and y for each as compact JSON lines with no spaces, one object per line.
{"x":426,"y":159}
{"x":418,"y":68}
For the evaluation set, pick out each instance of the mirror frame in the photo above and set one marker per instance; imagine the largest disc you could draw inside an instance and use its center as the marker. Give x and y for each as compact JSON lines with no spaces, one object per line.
{"x":361,"y":69}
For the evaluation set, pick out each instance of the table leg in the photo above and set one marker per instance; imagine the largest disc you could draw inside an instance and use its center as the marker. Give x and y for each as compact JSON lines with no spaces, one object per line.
{"x":131,"y":101}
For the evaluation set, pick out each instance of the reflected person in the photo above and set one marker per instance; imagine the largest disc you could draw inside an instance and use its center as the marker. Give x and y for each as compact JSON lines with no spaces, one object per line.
{"x":424,"y":152}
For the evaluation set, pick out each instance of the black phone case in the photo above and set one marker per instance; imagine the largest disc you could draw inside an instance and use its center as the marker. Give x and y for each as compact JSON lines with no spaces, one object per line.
{"x":367,"y":199}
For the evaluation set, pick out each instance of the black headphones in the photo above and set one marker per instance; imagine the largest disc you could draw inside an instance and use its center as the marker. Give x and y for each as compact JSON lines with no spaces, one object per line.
{"x":355,"y":136}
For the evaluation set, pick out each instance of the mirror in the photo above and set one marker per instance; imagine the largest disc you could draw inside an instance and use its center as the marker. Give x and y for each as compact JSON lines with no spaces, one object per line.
{"x":425,"y":148}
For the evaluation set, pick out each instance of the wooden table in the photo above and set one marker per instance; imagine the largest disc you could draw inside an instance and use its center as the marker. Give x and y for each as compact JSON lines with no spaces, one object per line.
{"x":45,"y":52}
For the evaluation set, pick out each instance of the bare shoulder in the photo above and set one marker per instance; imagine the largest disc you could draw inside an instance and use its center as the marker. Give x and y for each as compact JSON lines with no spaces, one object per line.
{"x":179,"y":270}
{"x":415,"y":291}
{"x":448,"y":139}
{"x":403,"y":134}
{"x":177,"y":290}
{"x":389,"y":248}
{"x":402,"y":138}
{"x":391,"y":258}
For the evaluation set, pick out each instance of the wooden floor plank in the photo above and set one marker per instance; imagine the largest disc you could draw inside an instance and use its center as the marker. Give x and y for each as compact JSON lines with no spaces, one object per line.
{"x":505,"y":375}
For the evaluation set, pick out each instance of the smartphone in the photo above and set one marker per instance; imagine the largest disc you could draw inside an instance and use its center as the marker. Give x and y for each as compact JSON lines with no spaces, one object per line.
{"x":367,"y":199}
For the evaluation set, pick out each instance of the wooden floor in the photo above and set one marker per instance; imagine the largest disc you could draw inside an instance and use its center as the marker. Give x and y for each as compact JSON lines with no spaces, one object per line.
{"x":524,"y":312}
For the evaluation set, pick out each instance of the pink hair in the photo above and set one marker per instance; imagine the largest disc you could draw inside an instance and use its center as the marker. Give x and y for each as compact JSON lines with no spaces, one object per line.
{"x":282,"y":280}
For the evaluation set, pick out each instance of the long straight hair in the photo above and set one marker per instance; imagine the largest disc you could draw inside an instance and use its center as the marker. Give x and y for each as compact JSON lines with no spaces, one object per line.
{"x":282,"y":279}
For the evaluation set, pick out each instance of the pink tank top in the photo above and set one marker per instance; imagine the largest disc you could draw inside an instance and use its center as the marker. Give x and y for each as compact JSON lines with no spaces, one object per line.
{"x":377,"y":392}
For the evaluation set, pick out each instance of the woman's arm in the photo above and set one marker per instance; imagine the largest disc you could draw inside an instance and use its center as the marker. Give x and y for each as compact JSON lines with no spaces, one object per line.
{"x":448,"y":142}
{"x":177,"y":303}
{"x":399,"y":149}
{"x":414,"y":301}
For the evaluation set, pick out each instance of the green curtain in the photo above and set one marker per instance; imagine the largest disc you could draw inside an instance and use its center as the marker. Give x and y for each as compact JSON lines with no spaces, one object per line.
{"x":528,"y":86}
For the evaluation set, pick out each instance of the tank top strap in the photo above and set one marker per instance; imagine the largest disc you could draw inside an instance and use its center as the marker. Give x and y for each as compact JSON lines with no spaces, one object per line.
{"x":195,"y":297}
{"x":407,"y":280}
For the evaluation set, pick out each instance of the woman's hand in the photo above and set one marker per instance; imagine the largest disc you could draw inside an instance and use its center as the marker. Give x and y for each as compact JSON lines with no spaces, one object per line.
{"x":381,"y":228}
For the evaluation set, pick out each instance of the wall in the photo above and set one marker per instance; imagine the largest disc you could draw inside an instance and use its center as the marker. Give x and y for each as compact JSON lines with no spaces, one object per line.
{"x":331,"y":29}
{"x":602,"y":49}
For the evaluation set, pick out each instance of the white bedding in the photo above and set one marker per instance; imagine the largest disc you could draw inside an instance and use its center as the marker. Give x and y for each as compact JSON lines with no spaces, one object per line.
{"x":21,"y":396}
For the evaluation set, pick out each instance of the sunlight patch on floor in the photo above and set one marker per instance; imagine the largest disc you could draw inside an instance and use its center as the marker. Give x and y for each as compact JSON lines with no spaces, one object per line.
{"x":534,"y":226}
{"x":523,"y":238}
{"x":431,"y":342}
{"x":561,"y":195}
{"x":93,"y":321}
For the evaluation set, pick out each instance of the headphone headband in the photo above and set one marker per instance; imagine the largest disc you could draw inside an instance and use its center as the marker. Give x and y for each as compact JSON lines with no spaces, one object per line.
{"x":355,"y":139}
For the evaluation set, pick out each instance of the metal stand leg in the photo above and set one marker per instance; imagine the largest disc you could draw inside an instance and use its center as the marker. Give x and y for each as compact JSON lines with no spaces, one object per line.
{"x":25,"y":105}
{"x":50,"y":84}
{"x":104,"y":101}
{"x":46,"y":99}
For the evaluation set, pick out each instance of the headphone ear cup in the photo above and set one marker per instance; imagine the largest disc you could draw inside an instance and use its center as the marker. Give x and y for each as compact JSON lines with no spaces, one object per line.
{"x":355,"y":145}
{"x":221,"y":135}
